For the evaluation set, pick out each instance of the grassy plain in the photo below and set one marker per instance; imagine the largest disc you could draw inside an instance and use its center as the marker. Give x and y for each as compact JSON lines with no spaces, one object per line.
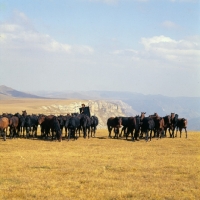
{"x":98,"y":168}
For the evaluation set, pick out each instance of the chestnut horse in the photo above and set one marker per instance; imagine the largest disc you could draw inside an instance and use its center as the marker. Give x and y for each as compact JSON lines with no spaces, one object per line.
{"x":4,"y":123}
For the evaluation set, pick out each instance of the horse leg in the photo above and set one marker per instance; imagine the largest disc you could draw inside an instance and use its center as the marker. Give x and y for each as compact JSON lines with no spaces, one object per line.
{"x":146,"y":135}
{"x":154,"y":133}
{"x":46,"y":133}
{"x":123,"y":130}
{"x":109,"y":130}
{"x":52,"y":132}
{"x":65,"y":132}
{"x":185,"y":132}
{"x":79,"y":131}
{"x":6,"y":130}
{"x":151,"y":134}
{"x":176,"y":131}
{"x":132,"y":136}
{"x":15,"y":132}
{"x":141,"y":133}
{"x":165,"y":132}
{"x":162,"y":133}
{"x":27,"y":132}
{"x":95,"y":131}
{"x":35,"y":130}
{"x":89,"y":130}
{"x":169,"y":132}
{"x":84,"y":134}
{"x":127,"y":133}
{"x":69,"y":133}
{"x":23,"y":130}
{"x":11,"y":132}
{"x":173,"y":129}
{"x":73,"y":132}
{"x":3,"y":133}
{"x":136,"y":135}
{"x":88,"y":133}
{"x":180,"y":129}
{"x":4,"y":136}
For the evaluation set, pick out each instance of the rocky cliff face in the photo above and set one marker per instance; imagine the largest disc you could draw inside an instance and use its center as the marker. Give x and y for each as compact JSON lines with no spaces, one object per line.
{"x":101,"y":108}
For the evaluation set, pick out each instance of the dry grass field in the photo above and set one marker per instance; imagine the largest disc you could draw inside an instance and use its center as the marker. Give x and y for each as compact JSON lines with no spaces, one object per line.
{"x":30,"y":105}
{"x":98,"y":168}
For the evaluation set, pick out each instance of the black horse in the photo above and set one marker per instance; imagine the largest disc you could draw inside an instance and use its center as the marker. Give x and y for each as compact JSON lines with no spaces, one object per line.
{"x":72,"y":124}
{"x":85,"y":125}
{"x":133,"y":124}
{"x":116,"y":123}
{"x":94,"y":123}
{"x":147,"y":125}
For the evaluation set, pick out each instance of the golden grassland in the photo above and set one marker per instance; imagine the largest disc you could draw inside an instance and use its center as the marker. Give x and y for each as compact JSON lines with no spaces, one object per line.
{"x":101,"y":168}
{"x":96,"y":168}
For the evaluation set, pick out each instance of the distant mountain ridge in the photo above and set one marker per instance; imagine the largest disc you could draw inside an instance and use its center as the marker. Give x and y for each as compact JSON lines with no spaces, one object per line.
{"x":185,"y":107}
{"x":12,"y":93}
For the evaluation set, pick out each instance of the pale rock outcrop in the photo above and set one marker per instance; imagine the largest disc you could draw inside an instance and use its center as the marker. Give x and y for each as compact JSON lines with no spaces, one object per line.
{"x":101,"y":108}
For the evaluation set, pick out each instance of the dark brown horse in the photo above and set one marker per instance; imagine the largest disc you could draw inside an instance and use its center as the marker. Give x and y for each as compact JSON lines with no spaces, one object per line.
{"x":178,"y":123}
{"x":116,"y":123}
{"x":142,"y":116}
{"x":133,"y":124}
{"x":182,"y":124}
{"x":159,"y":125}
{"x":14,"y":126}
{"x":4,"y":123}
{"x":167,"y":124}
{"x":50,"y":124}
{"x":24,"y":113}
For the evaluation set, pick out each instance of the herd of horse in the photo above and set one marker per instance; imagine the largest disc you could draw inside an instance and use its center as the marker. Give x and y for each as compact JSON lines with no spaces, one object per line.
{"x":139,"y":125}
{"x":24,"y":125}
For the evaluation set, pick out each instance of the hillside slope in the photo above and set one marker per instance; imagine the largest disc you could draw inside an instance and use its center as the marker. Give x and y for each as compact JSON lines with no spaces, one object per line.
{"x":7,"y":92}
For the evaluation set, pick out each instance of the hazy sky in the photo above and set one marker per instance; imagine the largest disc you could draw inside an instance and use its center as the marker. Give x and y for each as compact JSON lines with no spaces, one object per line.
{"x":145,"y":46}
